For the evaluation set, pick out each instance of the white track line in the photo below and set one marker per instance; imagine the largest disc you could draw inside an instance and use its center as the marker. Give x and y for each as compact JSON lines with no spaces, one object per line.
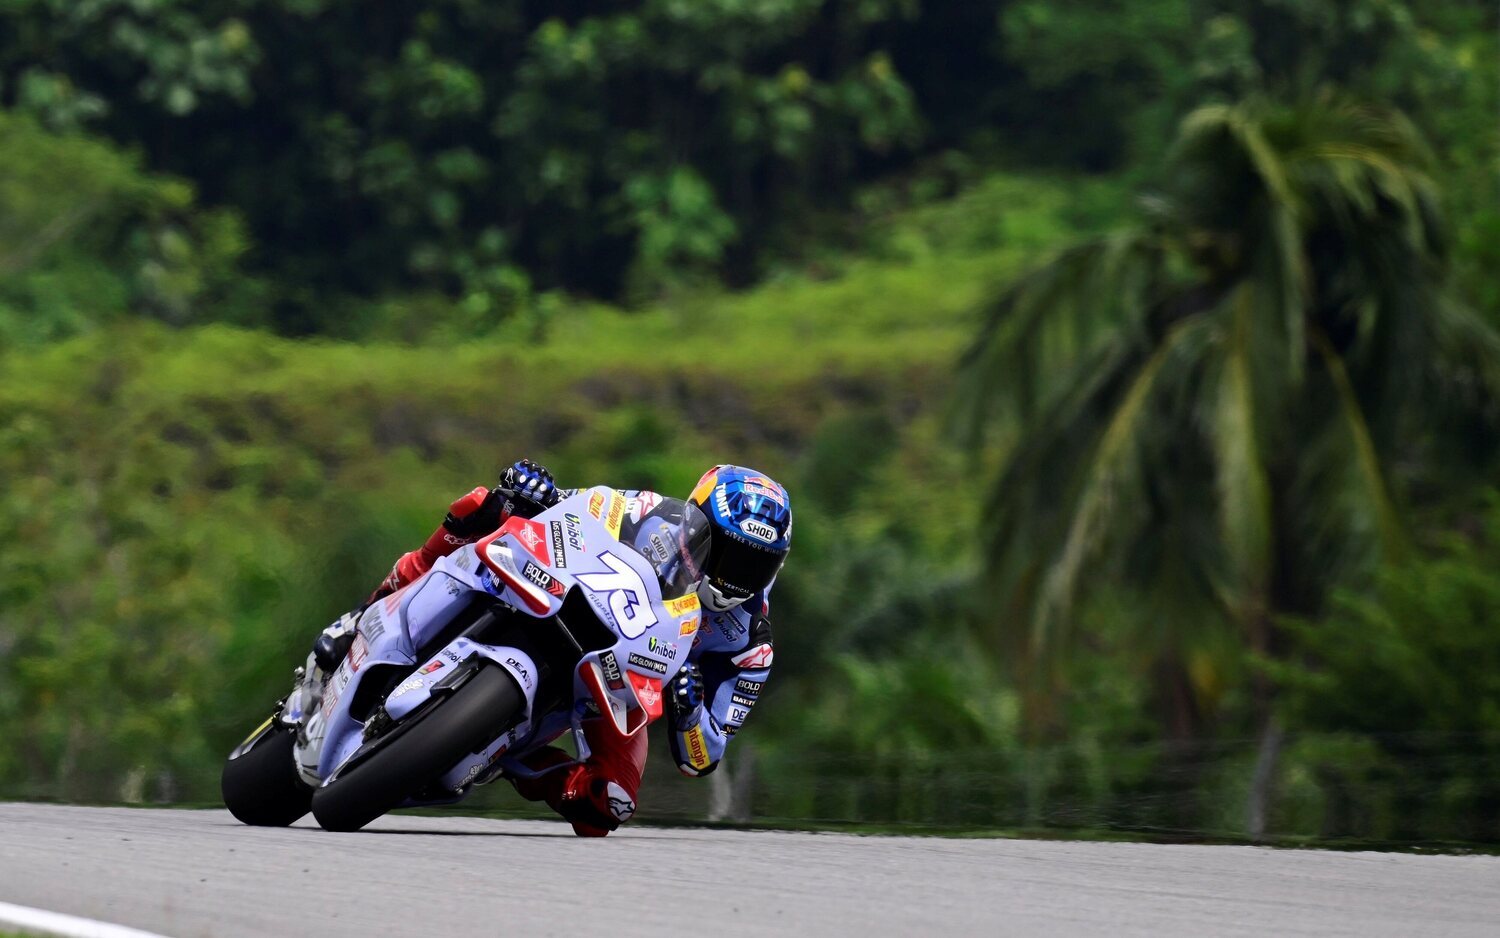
{"x":71,"y":926}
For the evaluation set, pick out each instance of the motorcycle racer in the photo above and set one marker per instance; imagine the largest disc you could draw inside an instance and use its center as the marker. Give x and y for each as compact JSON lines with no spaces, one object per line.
{"x":707,"y":701}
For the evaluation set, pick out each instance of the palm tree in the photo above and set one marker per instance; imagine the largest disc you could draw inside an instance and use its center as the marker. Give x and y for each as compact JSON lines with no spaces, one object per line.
{"x":1222,"y":406}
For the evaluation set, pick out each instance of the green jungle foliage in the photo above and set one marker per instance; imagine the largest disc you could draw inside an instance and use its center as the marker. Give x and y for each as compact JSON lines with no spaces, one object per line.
{"x":490,"y":149}
{"x":1131,"y":365}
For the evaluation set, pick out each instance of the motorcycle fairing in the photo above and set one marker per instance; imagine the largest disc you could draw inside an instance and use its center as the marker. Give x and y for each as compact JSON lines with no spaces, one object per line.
{"x":532,"y":568}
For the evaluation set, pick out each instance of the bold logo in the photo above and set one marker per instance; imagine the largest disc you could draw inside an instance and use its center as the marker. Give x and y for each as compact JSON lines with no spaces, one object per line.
{"x":538,"y":576}
{"x":759,"y":530}
{"x":575,"y":531}
{"x":596,"y":504}
{"x":632,"y":615}
{"x":650,"y":664}
{"x":611,"y":670}
{"x":689,"y":627}
{"x":661,"y":647}
{"x":682,"y":605}
{"x":697,"y":751}
{"x":758,"y":657}
{"x":559,"y":556}
{"x":748,"y":687}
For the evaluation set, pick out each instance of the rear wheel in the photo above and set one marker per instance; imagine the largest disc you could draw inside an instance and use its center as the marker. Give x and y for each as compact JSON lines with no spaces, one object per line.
{"x":418,"y":752}
{"x":260,"y":783}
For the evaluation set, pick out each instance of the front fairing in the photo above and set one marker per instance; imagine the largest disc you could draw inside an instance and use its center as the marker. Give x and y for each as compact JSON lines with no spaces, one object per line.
{"x":533,"y":566}
{"x":576,"y":544}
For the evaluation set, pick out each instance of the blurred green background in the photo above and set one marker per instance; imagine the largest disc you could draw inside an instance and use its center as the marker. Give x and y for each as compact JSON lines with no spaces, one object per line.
{"x":1133,"y":367}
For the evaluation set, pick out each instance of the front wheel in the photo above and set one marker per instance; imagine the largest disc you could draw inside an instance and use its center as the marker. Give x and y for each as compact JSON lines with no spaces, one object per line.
{"x":260,"y":782}
{"x":420,"y":751}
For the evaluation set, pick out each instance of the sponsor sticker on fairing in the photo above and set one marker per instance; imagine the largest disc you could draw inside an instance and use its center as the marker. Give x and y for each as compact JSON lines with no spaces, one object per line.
{"x":574,"y":526}
{"x":682,"y":605}
{"x":657,"y":646}
{"x":537,"y":575}
{"x":406,"y":686}
{"x":742,"y":701}
{"x":648,"y":692}
{"x":559,"y":555}
{"x":596,"y":504}
{"x":616,"y":515}
{"x":650,"y":664}
{"x":611,"y":671}
{"x":748,"y":687}
{"x":688,"y":627}
{"x":530,"y":534}
{"x":358,"y":651}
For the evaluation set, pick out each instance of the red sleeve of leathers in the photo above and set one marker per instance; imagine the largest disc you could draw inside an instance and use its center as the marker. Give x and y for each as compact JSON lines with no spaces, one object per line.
{"x":440,"y":543}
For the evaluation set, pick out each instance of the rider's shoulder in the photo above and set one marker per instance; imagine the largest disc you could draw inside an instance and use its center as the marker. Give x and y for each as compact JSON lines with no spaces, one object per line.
{"x":740,"y":629}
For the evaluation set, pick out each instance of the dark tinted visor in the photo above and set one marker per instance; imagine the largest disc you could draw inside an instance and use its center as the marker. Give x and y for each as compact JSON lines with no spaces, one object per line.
{"x":739,"y":568}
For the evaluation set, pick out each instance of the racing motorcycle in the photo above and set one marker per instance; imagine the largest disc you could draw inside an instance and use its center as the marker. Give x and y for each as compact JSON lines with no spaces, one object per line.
{"x":502,"y":647}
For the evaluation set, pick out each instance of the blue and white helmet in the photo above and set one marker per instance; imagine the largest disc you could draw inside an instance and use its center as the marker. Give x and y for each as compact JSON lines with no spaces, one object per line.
{"x":750,"y":517}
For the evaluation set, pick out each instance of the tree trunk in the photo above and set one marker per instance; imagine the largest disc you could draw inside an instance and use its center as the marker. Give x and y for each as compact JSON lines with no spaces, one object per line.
{"x":1262,"y":782}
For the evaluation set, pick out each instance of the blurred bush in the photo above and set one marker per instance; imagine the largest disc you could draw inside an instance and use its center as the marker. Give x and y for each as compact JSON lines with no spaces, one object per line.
{"x":88,"y":238}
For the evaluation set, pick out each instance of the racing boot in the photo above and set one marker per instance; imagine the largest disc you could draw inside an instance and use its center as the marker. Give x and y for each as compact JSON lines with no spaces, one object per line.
{"x":596,"y":796}
{"x":304,"y":707}
{"x":594,"y":806}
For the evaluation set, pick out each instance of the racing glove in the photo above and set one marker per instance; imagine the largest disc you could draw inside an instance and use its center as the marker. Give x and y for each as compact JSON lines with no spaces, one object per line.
{"x":334,"y":641}
{"x":685,"y":699}
{"x":528,"y":489}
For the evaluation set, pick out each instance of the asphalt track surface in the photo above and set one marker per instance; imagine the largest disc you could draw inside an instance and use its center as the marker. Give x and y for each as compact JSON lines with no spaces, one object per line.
{"x":199,"y":873}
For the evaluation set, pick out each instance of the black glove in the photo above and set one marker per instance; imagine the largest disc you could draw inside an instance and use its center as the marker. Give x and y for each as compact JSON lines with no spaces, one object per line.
{"x":529,"y":488}
{"x":684,"y":698}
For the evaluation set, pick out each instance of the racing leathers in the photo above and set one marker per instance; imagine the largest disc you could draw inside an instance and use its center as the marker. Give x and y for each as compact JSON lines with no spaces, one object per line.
{"x":731,"y":650}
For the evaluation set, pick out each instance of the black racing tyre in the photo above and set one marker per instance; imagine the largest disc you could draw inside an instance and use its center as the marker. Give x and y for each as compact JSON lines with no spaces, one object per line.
{"x":260,"y":782}
{"x":419,"y":751}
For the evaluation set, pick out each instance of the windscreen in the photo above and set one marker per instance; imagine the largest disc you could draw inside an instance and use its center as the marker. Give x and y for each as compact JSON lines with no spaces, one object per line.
{"x":674,"y":538}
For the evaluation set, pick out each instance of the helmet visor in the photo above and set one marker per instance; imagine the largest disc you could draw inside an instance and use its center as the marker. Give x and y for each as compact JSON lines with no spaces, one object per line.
{"x":738,"y":568}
